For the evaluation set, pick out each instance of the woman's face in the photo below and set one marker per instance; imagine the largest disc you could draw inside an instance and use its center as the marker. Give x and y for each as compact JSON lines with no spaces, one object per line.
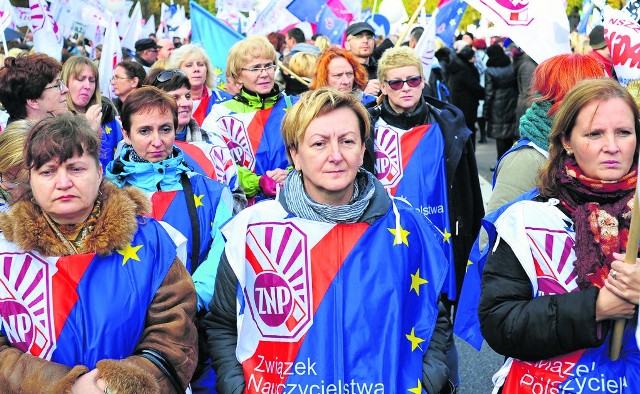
{"x":257,"y":75}
{"x":53,"y":100}
{"x":329,"y":156}
{"x":82,"y":87}
{"x":122,"y":84}
{"x":185,"y":105}
{"x":151,"y":135}
{"x":67,"y":191}
{"x":341,"y":75}
{"x":603,"y":139}
{"x":196,"y":71}
{"x":406,"y":98}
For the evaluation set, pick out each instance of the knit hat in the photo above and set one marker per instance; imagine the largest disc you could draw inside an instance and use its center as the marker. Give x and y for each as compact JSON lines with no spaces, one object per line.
{"x":494,"y":50}
{"x":596,"y":38}
{"x":466,"y":53}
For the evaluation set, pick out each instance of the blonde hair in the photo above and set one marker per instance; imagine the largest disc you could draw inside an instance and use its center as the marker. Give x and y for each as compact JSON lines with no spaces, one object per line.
{"x":192,"y":52}
{"x":634,"y":89}
{"x":323,"y":43}
{"x":73,"y":67}
{"x":396,"y":57}
{"x":303,"y":64}
{"x":316,"y":103}
{"x":252,"y":47}
{"x":12,"y":140}
{"x":160,"y":64}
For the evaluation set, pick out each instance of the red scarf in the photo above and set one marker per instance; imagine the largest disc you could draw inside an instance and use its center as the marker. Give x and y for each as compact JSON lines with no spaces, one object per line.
{"x":601,"y":213}
{"x":201,"y":112}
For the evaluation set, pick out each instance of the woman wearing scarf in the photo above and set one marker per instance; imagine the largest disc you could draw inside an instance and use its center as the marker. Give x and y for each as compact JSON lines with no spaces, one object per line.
{"x":517,"y":171}
{"x":547,"y":298}
{"x":363,"y":317}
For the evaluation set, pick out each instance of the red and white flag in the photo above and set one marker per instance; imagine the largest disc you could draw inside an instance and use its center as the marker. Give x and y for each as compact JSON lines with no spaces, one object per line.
{"x":622,"y":35}
{"x":539,"y":27}
{"x":47,"y":37}
{"x":426,"y":47}
{"x":111,"y":56}
{"x":6,"y":19}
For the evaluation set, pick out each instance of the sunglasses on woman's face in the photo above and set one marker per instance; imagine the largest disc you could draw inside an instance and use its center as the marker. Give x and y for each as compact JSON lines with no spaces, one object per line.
{"x":397,"y":84}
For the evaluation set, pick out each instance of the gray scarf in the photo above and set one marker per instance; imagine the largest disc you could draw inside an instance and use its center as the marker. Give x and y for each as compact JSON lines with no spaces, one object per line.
{"x":301,"y":205}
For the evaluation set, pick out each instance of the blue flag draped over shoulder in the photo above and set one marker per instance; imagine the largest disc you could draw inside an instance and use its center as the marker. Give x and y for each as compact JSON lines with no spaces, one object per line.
{"x":320,"y":13}
{"x":214,"y":35}
{"x":448,"y":18}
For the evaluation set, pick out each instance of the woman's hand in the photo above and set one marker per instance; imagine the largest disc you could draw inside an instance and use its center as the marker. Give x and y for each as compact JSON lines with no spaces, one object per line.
{"x":278,"y":175}
{"x":624,"y":279}
{"x":610,"y":306}
{"x":94,"y":117}
{"x":89,"y":383}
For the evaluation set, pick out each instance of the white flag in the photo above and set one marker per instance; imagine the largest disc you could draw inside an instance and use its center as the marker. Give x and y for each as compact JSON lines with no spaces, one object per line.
{"x":539,"y":27}
{"x":622,"y":35}
{"x":6,"y":18}
{"x":273,"y":17}
{"x":425,"y":48}
{"x":134,"y":32}
{"x":111,"y":56}
{"x":150,"y":26}
{"x":47,"y":37}
{"x":21,"y":16}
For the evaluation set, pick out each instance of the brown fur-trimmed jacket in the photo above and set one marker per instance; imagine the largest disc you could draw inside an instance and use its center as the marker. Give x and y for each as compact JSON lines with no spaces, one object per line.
{"x":169,"y":327}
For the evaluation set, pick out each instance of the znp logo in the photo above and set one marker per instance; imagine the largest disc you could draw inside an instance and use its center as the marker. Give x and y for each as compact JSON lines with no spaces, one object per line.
{"x":236,"y":136}
{"x":280,"y":296}
{"x":388,"y":156}
{"x":26,"y":314}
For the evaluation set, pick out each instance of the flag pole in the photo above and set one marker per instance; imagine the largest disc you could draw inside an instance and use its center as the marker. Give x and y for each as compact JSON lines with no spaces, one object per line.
{"x":411,"y":20}
{"x":4,"y":44}
{"x":630,"y":258}
{"x":294,"y":75}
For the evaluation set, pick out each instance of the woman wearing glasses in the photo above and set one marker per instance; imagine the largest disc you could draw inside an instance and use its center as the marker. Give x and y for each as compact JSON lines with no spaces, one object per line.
{"x":31,"y":88}
{"x":127,"y":76}
{"x":13,"y":175}
{"x":80,"y":74}
{"x":195,"y":63}
{"x":250,"y":122}
{"x":423,"y":153}
{"x":207,"y":156}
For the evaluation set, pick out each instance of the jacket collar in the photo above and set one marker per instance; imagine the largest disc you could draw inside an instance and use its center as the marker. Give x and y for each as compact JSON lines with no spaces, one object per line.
{"x":25,"y":225}
{"x":258,"y":101}
{"x":405,"y":120}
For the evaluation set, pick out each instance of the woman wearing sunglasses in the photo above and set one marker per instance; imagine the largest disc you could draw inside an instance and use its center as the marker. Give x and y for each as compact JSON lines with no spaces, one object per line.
{"x":250,"y":122}
{"x":423,"y":153}
{"x":206,"y":155}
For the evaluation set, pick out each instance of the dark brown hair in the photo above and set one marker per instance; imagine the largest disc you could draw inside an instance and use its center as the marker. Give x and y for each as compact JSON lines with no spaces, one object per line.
{"x":145,"y":100}
{"x":60,"y":138}
{"x":24,"y":78}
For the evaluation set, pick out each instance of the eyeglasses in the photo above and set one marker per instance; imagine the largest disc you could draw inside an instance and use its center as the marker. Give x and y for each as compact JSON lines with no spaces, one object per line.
{"x":117,"y":78}
{"x":59,"y":85}
{"x":9,"y":184}
{"x":168,"y":74}
{"x":268,"y":68}
{"x":397,"y":84}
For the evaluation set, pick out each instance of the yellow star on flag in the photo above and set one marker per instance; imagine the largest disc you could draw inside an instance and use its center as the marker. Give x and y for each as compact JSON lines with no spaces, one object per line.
{"x":447,"y":236}
{"x":452,"y":22}
{"x":415,"y":341}
{"x":129,"y":252}
{"x":416,"y":281}
{"x":469,"y":262}
{"x":198,"y":200}
{"x":417,"y":389}
{"x":459,"y":11}
{"x":107,"y":129}
{"x":403,"y":235}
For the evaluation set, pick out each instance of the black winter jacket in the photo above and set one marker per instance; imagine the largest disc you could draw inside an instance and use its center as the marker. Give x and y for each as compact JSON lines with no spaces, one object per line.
{"x":500,"y":102}
{"x":465,"y":89}
{"x":222,"y":326}
{"x":517,"y":325}
{"x":466,"y":208}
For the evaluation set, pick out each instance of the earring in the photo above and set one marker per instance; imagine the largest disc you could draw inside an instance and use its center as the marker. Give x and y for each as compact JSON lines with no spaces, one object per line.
{"x":570,"y":153}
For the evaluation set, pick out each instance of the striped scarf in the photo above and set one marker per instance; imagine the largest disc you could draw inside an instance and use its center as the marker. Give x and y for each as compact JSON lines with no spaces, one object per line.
{"x":301,"y":205}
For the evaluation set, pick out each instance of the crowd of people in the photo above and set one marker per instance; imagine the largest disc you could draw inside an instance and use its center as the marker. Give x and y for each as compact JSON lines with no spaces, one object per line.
{"x":308,"y":224}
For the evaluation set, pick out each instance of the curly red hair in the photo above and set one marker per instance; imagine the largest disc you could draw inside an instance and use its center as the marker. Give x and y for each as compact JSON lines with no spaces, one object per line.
{"x":321,"y":76}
